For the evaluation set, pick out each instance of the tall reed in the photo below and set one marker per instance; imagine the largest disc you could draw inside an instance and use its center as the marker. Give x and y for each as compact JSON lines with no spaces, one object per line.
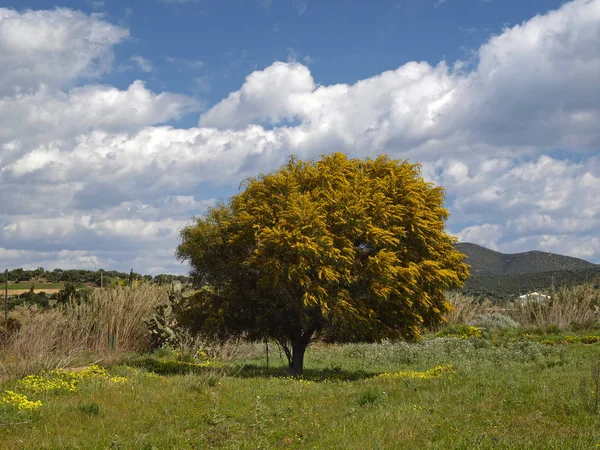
{"x":107,"y":325}
{"x":466,"y":308}
{"x":567,"y":306}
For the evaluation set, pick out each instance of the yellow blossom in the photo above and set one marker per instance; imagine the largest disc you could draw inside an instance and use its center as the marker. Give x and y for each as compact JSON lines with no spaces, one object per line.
{"x":412,"y":374}
{"x":19,"y":401}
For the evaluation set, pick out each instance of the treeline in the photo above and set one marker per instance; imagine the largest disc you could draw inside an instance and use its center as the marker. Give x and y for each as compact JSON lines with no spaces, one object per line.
{"x":107,"y":277}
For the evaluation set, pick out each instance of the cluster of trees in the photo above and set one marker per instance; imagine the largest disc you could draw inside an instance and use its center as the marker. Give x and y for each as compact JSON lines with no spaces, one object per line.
{"x":40,"y":275}
{"x":337,"y":249}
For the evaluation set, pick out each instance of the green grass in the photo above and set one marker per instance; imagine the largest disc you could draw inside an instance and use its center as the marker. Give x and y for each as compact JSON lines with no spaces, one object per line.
{"x":505,"y":395}
{"x":37,"y":286}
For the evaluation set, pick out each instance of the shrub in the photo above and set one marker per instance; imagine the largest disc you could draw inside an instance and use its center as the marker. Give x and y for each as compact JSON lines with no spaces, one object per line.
{"x":495,"y":321}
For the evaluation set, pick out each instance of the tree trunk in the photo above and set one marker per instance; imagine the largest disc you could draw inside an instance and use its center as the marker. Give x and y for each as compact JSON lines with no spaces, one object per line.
{"x":297,"y":363}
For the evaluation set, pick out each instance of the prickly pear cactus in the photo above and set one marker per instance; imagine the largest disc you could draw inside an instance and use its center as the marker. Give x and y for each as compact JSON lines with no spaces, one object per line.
{"x":162,"y":326}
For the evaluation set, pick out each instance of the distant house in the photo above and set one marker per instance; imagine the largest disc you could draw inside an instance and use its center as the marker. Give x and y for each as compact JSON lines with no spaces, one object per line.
{"x":533,"y":297}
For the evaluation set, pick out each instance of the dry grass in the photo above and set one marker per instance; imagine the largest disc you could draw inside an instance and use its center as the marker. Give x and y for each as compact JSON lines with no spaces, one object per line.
{"x":466,"y":308}
{"x":79,"y":333}
{"x":566,"y":306}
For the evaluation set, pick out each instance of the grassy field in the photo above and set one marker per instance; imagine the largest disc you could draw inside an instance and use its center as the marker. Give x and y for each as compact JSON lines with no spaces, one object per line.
{"x":439,"y":393}
{"x":37,"y":286}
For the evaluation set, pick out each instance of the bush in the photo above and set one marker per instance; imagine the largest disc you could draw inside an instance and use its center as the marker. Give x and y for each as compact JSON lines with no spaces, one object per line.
{"x":495,"y":321}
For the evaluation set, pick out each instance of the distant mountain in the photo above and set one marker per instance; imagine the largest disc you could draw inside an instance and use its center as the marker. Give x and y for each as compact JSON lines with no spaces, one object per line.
{"x":486,"y":262}
{"x":502,"y":275}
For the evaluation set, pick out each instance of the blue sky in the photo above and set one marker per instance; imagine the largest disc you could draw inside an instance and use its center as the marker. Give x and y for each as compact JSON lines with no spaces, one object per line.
{"x":221,"y":42}
{"x":124,"y":119}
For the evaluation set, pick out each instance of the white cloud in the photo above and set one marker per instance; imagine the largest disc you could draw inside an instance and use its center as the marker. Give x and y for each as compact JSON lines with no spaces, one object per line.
{"x":53,"y":48}
{"x":58,"y":114}
{"x":529,"y":89}
{"x":486,"y":235}
{"x":143,"y":64}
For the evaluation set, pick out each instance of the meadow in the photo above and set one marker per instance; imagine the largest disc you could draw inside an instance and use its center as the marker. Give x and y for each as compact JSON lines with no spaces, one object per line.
{"x":463,"y":386}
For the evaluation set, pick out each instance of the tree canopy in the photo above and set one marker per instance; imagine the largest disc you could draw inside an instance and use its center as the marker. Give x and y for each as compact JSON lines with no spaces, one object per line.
{"x":341,"y":249}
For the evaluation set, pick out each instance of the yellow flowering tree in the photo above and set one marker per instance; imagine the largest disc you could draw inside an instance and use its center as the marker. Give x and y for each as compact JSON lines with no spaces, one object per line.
{"x":340,"y":249}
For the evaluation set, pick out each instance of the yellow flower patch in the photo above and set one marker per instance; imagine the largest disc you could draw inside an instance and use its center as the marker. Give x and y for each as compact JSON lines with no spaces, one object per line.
{"x":65,"y":381}
{"x":435,"y":372}
{"x":19,"y":401}
{"x":117,"y":379}
{"x":38,"y":384}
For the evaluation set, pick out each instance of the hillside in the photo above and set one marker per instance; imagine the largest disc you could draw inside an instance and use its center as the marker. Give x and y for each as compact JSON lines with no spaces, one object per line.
{"x":486,"y":262}
{"x":501,"y":275}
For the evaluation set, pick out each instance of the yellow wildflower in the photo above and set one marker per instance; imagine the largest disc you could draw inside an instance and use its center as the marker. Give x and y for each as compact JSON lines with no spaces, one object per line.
{"x":412,"y":374}
{"x":117,"y":379}
{"x":19,"y":401}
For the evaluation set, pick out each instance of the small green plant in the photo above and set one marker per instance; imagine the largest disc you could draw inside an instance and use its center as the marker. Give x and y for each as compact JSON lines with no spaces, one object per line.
{"x":91,"y":409}
{"x":590,"y":389}
{"x":462,"y":332}
{"x":370,"y":396}
{"x":590,"y":325}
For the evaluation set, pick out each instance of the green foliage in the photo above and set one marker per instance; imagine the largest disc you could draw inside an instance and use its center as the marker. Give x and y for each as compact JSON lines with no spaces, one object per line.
{"x":163,"y":326}
{"x":589,"y":389}
{"x":495,"y":321}
{"x":69,"y":294}
{"x":507,"y":396}
{"x":346,"y":249}
{"x":39,"y":299}
{"x":90,"y":409}
{"x":22,"y":279}
{"x":370,"y":395}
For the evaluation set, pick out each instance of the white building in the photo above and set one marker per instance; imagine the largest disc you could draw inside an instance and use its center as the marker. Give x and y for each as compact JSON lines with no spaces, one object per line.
{"x":533,"y":297}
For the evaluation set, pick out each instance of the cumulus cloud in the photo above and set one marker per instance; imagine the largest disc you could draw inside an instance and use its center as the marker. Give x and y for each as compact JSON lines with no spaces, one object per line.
{"x":55,"y":114}
{"x":116,"y":185}
{"x":53,"y":48}
{"x":534,"y":85}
